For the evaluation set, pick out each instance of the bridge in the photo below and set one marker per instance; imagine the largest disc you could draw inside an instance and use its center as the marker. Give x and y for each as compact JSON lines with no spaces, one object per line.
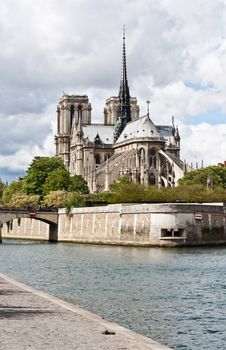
{"x":49,"y":216}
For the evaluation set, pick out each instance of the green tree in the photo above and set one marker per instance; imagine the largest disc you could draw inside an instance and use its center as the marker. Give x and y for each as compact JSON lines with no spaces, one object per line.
{"x":58,"y":179}
{"x":22,"y":200}
{"x":78,"y":184}
{"x":128,"y":193}
{"x":38,"y":172}
{"x":117,"y":184}
{"x":56,"y":199}
{"x":2,"y":187}
{"x":15,"y":187}
{"x":200,"y":176}
{"x":75,"y":200}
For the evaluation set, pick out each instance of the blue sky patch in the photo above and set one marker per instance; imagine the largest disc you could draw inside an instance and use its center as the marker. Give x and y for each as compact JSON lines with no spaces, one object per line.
{"x":214,"y":116}
{"x":197,"y":86}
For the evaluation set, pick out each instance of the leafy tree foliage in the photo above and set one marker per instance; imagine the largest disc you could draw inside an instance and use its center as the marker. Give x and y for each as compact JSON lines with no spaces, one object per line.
{"x":38,"y":172}
{"x":75,"y":200}
{"x":47,"y":174}
{"x":14,"y":188}
{"x":58,"y":179}
{"x":56,"y":199}
{"x":128,"y":192}
{"x":78,"y":184}
{"x":136,"y":193}
{"x":63,"y":199}
{"x":200,"y":176}
{"x":2,"y":186}
{"x":94,"y":199}
{"x":117,"y":184}
{"x":21,"y":200}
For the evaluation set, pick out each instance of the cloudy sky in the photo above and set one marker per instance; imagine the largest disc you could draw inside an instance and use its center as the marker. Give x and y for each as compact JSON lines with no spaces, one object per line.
{"x":176,"y":53}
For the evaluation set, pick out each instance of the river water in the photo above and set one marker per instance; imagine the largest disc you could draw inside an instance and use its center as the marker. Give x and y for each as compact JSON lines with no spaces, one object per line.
{"x":175,"y":296}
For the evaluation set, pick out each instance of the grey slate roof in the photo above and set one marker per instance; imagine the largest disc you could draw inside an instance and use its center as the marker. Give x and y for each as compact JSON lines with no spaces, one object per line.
{"x":142,"y":127}
{"x":166,"y":132}
{"x":106,"y":132}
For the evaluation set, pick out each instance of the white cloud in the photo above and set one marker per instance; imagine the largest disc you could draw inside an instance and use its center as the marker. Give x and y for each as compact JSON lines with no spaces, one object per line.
{"x":176,"y":58}
{"x":182,"y":101}
{"x":204,"y":142}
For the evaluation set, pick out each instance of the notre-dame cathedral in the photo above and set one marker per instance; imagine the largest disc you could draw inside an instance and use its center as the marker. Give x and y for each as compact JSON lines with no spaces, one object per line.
{"x":125,"y":145}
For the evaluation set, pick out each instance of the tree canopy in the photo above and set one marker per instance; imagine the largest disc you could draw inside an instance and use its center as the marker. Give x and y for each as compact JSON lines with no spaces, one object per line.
{"x":78,"y":184}
{"x":56,"y":199}
{"x":47,"y":175}
{"x":38,"y":172}
{"x":216,"y":174}
{"x":22,"y":200}
{"x":14,"y":188}
{"x":2,"y":186}
{"x":58,"y":179}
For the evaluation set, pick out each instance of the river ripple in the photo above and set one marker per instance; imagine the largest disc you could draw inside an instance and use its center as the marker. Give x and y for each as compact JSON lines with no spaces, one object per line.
{"x":175,"y":296}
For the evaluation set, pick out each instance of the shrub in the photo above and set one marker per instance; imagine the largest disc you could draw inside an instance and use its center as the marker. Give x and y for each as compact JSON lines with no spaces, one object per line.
{"x":21,"y":200}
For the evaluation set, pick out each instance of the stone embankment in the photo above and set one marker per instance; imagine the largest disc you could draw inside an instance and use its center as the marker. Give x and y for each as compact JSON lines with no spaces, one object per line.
{"x":31,"y":319}
{"x":163,"y":224}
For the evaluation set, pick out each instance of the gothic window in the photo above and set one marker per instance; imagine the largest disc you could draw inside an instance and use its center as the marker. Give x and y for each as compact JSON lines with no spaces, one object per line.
{"x":58,"y":120}
{"x":141,"y":156}
{"x":106,"y":157}
{"x":152,"y":158}
{"x":166,"y":171}
{"x":97,"y":159}
{"x":72,"y":112}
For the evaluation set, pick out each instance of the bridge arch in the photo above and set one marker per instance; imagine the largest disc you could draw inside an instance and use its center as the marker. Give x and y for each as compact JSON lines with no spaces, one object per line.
{"x":48,"y":217}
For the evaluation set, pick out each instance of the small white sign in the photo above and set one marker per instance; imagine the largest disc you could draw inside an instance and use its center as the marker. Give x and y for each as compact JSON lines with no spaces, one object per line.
{"x":198,"y":216}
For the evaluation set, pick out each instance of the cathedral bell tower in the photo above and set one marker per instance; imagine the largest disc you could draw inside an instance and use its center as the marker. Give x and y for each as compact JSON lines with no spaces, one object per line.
{"x":76,"y":163}
{"x":69,"y":111}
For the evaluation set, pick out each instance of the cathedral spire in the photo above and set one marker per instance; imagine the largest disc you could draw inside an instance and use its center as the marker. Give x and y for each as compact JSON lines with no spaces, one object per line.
{"x":124,"y":87}
{"x":124,"y":112}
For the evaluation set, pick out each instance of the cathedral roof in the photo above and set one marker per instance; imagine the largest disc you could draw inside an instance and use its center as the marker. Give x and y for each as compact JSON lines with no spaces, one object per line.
{"x":165,"y":130}
{"x":142,"y":127}
{"x":105,"y":132}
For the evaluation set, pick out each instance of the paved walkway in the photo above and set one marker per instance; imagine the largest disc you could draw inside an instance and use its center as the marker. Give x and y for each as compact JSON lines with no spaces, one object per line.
{"x":30,"y":319}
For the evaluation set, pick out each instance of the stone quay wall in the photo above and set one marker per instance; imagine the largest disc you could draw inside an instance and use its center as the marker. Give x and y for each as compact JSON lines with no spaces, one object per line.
{"x":145,"y":224}
{"x":131,"y":224}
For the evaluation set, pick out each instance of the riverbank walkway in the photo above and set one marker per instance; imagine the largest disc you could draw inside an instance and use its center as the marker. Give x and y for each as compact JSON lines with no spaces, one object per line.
{"x":30,"y":319}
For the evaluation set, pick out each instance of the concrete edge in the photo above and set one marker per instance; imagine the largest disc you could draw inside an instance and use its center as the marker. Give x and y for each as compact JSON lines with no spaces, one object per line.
{"x":148,"y":342}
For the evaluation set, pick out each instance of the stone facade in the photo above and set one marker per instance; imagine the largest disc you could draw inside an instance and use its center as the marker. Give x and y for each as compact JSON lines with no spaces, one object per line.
{"x":125,"y":145}
{"x":112,"y":106}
